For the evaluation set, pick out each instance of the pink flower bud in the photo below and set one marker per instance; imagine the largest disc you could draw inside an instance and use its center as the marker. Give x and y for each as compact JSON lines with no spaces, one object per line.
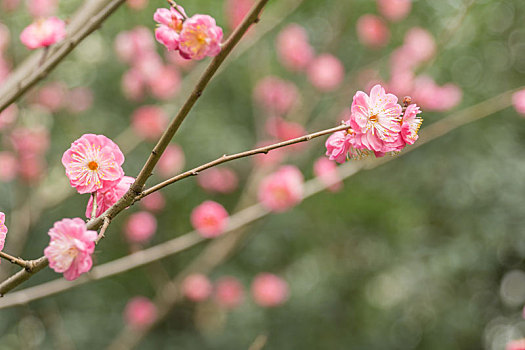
{"x":282,"y":190}
{"x":69,"y":251}
{"x":42,"y":8}
{"x":276,"y":95}
{"x":93,"y":162}
{"x":43,"y":33}
{"x":200,"y":37}
{"x":155,"y":202}
{"x":140,"y":227}
{"x":229,"y":292}
{"x":394,"y":10}
{"x":3,"y":230}
{"x":269,"y":290}
{"x":372,"y":31}
{"x":293,"y":49}
{"x":210,"y":219}
{"x":140,"y":312}
{"x":197,"y":287}
{"x":518,"y":101}
{"x":149,"y":122}
{"x":171,"y":162}
{"x":107,"y":197}
{"x":218,"y":180}
{"x":326,"y":171}
{"x":326,"y":73}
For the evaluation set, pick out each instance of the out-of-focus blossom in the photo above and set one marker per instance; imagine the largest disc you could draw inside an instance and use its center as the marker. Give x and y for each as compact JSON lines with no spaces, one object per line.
{"x":516,"y":345}
{"x":171,"y":162}
{"x":8,"y":167}
{"x":140,"y":227}
{"x":372,"y":31}
{"x":149,"y":122}
{"x":137,"y":5}
{"x":4,"y":37}
{"x":4,"y":68}
{"x":106,"y":198}
{"x":8,"y":116}
{"x":3,"y":230}
{"x":154,"y":202}
{"x":42,"y":8}
{"x":229,"y":292}
{"x":236,"y":10}
{"x":197,"y":287}
{"x":133,"y":85}
{"x":30,"y":141}
{"x":411,"y":124}
{"x":269,"y":290}
{"x":129,"y":45}
{"x":210,"y":219}
{"x":394,"y":10}
{"x":149,"y":65}
{"x":140,"y":312}
{"x":433,"y":97}
{"x":284,"y":130}
{"x":31,"y":167}
{"x":276,"y":95}
{"x":218,"y":180}
{"x":326,"y":171}
{"x":293,"y":48}
{"x":79,"y":99}
{"x":51,"y":96}
{"x":170,"y":26}
{"x":70,"y":248}
{"x":43,"y":33}
{"x":93,"y":162}
{"x":375,"y":119}
{"x":282,"y":190}
{"x":9,"y":5}
{"x":419,"y":44}
{"x":271,"y":158}
{"x":166,"y":83}
{"x":326,"y":73}
{"x":200,"y":37}
{"x":518,"y":101}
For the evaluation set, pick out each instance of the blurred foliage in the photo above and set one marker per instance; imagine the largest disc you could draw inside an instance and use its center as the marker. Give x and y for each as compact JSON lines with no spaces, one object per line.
{"x":420,"y":253}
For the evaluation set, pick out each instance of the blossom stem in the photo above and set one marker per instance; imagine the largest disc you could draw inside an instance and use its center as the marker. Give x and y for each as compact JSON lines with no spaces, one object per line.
{"x":94,"y":210}
{"x":103,"y":229}
{"x":18,"y":261}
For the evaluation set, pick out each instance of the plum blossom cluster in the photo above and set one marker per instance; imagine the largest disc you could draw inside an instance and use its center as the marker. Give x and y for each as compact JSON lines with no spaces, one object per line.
{"x":3,"y":230}
{"x":193,"y":37}
{"x":267,"y":290}
{"x":377,"y":125}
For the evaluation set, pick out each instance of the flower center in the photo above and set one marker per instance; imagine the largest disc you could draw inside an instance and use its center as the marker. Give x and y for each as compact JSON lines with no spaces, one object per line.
{"x":93,"y":165}
{"x":374,"y":118}
{"x":201,"y":38}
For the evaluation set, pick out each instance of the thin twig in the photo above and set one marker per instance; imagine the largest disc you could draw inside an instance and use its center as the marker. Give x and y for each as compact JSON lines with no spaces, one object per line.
{"x":94,"y":207}
{"x":103,"y":229}
{"x":18,"y":261}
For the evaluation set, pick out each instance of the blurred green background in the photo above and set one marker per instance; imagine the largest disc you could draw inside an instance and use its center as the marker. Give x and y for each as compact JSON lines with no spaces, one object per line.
{"x":424,"y":252}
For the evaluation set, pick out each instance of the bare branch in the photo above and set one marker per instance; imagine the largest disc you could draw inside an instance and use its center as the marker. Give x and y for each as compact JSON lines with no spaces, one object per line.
{"x":14,"y":260}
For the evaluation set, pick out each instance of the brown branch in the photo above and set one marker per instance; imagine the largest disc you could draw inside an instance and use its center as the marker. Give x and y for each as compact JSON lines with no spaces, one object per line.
{"x":14,"y":260}
{"x":254,"y":212}
{"x":130,"y":196}
{"x":37,"y":69}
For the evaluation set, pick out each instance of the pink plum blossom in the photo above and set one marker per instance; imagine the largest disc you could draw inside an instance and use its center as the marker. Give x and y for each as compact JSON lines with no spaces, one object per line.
{"x":129,"y":45}
{"x":276,"y":95}
{"x":372,"y":31}
{"x":70,"y":248}
{"x":170,"y":26}
{"x":282,"y":190}
{"x":43,"y":33}
{"x":269,"y":290}
{"x":9,"y":167}
{"x":3,"y":230}
{"x":140,"y":312}
{"x":218,"y":180}
{"x":236,"y":10}
{"x":516,"y":345}
{"x":197,"y":287}
{"x":326,"y":171}
{"x":338,"y":145}
{"x":149,"y":122}
{"x":411,"y":124}
{"x":200,"y":37}
{"x":293,"y":48}
{"x":140,"y":227}
{"x":375,"y":119}
{"x":326,"y":73}
{"x":518,"y":101}
{"x":107,"y":197}
{"x":154,"y":202}
{"x":228,"y":292}
{"x":210,"y":219}
{"x":93,"y":162}
{"x":42,"y":8}
{"x":171,"y":162}
{"x":394,"y":10}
